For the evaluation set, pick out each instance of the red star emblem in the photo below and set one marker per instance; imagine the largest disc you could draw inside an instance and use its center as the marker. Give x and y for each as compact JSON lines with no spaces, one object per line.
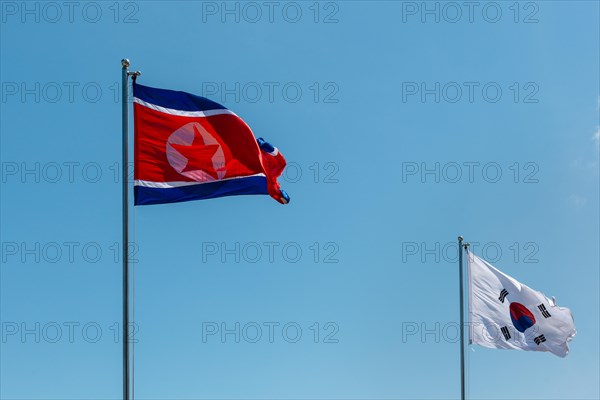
{"x":198,"y":154}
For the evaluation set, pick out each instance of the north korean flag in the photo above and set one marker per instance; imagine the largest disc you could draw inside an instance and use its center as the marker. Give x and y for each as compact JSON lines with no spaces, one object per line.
{"x":188,"y":147}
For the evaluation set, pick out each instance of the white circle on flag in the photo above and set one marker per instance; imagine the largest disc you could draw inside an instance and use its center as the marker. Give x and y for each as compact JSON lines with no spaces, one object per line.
{"x":185,"y":136}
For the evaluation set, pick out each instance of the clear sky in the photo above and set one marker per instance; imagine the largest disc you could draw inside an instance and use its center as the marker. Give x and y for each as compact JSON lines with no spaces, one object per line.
{"x":404,"y":125}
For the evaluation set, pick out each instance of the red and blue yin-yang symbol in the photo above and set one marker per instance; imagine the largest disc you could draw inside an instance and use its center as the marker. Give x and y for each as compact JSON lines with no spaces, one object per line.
{"x":521,"y":317}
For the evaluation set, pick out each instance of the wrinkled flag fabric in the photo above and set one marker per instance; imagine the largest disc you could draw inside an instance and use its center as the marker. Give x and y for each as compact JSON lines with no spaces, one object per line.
{"x":188,"y":147}
{"x":506,"y":314}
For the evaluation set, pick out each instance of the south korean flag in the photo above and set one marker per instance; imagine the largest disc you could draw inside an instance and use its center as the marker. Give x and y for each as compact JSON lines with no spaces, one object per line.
{"x":505,"y":314}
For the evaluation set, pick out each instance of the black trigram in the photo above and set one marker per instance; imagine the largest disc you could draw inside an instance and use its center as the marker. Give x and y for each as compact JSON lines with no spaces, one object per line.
{"x":539,"y":339}
{"x":505,"y":332}
{"x":503,"y":295}
{"x":545,"y":312}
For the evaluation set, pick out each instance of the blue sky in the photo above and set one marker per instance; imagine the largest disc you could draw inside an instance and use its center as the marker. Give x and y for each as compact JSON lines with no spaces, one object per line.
{"x":402,"y":129}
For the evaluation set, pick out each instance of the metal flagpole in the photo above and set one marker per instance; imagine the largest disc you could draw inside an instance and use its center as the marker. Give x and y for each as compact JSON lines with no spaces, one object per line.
{"x":462,"y":318}
{"x":125,"y":213}
{"x":125,"y":74}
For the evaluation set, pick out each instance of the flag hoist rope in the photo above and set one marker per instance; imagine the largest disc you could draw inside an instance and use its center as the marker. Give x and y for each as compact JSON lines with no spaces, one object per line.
{"x":125,"y":74}
{"x":468,"y":353}
{"x":133,"y":325}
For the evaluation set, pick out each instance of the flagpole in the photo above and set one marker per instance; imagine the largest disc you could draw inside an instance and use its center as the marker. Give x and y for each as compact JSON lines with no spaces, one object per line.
{"x":125,"y":213}
{"x":462,"y":318}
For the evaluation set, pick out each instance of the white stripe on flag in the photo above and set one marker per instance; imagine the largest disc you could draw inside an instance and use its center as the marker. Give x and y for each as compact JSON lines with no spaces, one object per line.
{"x":169,"y":185}
{"x":199,"y":114}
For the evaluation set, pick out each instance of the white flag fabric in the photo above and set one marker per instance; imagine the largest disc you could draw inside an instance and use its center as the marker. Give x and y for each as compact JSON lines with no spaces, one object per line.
{"x":505,"y":314}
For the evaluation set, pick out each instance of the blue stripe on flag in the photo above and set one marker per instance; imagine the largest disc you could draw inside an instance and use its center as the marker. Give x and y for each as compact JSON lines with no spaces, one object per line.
{"x":234,"y":187}
{"x":175,"y":100}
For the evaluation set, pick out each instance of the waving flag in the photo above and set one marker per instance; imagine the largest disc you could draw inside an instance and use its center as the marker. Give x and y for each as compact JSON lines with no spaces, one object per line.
{"x":190,"y":148}
{"x":506,"y":314}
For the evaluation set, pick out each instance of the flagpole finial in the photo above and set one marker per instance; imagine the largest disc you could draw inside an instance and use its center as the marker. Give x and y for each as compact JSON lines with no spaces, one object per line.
{"x":460,"y":238}
{"x":125,"y":63}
